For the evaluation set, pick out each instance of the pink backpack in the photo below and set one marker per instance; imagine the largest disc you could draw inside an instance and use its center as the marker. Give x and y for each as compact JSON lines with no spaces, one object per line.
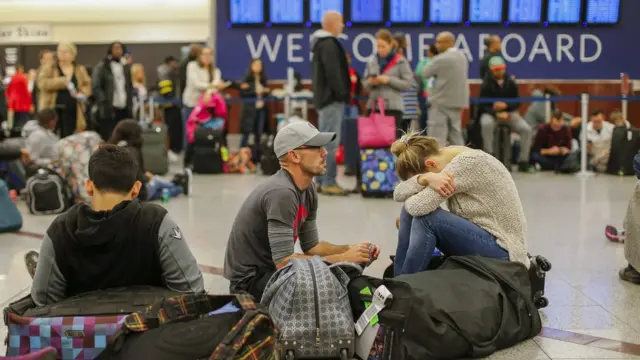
{"x":206,"y":110}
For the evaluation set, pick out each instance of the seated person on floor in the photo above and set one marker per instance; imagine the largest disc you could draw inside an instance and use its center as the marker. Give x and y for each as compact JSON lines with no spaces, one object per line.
{"x":485,"y":214}
{"x":552,"y":144}
{"x":282,"y":210}
{"x":10,"y":152}
{"x":599,"y":134}
{"x":117,"y":241}
{"x":536,"y":114}
{"x":42,"y":141}
{"x":128,"y":133}
{"x":498,"y":84}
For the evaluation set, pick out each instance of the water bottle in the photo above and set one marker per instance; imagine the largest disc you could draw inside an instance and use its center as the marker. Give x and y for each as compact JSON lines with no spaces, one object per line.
{"x":165,"y":195}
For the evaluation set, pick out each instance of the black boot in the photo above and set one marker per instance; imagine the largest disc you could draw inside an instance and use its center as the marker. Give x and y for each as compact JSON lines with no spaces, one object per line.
{"x":630,"y":274}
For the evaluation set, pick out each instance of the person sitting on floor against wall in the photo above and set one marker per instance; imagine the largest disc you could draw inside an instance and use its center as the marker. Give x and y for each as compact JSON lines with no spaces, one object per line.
{"x":552,"y":144}
{"x":43,"y":139}
{"x":117,"y":241}
{"x":485,"y":214}
{"x":282,"y":210}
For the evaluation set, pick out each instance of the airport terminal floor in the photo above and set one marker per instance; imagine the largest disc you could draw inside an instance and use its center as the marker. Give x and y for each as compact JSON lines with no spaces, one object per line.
{"x":592,"y":313}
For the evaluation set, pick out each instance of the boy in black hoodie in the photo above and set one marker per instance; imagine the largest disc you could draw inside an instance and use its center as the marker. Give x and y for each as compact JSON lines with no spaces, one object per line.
{"x":118,"y":241}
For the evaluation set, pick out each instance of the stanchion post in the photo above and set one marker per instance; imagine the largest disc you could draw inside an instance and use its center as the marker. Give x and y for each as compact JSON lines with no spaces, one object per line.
{"x":625,"y":104}
{"x":584,"y":100}
{"x":289,"y":87}
{"x":547,"y":108}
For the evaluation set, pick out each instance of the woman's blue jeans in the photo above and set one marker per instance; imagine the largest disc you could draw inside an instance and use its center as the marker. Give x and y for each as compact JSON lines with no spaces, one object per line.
{"x":453,"y":235}
{"x":157,"y":184}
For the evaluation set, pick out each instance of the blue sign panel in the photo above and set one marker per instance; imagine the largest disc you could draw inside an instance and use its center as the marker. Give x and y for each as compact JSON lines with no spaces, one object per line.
{"x":525,"y":11}
{"x":531,"y":52}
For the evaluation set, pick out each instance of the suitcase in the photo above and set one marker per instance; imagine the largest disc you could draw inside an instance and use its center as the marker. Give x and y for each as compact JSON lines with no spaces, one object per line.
{"x":537,"y":275}
{"x":154,"y":150}
{"x":207,"y":151}
{"x":11,"y":219}
{"x":78,"y":327}
{"x":378,"y":175}
{"x":625,"y":144}
{"x":502,"y":145}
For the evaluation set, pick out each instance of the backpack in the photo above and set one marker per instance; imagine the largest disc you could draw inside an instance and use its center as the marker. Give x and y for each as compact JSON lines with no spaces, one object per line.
{"x":48,"y":193}
{"x":309,"y":302}
{"x":10,"y":218}
{"x":269,"y":162}
{"x":196,"y":326}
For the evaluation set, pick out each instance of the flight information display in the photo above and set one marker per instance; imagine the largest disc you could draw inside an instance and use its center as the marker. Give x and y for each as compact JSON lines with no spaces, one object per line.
{"x":286,"y":11}
{"x":319,"y":7}
{"x":525,"y":11}
{"x":603,"y":11}
{"x":564,"y":11}
{"x":445,"y":11}
{"x":406,"y":11}
{"x":246,"y":11}
{"x":485,"y":11}
{"x":366,"y":11}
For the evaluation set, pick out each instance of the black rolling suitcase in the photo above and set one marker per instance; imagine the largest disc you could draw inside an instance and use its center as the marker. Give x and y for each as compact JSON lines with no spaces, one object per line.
{"x":625,"y":144}
{"x":502,"y":145}
{"x":207,"y":151}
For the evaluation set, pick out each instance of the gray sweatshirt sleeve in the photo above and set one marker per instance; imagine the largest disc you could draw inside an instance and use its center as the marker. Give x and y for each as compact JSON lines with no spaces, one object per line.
{"x":180,"y":269}
{"x":48,"y":283}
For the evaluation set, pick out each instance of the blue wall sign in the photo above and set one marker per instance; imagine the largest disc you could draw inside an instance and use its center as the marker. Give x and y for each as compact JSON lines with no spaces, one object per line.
{"x":532,"y":52}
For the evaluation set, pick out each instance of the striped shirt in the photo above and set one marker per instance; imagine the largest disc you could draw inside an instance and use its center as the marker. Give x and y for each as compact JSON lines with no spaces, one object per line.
{"x":410,"y":101}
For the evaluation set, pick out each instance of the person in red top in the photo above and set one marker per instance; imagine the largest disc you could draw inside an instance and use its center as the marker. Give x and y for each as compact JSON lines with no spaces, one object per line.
{"x":19,"y":99}
{"x":552,"y":144}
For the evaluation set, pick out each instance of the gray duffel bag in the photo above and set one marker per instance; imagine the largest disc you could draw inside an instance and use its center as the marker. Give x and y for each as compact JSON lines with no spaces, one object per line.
{"x":309,"y":302}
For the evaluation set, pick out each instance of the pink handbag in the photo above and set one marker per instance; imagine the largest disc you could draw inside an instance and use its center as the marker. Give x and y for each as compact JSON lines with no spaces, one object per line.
{"x":377,"y":130}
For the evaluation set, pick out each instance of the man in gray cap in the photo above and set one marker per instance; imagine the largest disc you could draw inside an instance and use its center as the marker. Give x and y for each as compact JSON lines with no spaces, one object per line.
{"x":281,"y":210}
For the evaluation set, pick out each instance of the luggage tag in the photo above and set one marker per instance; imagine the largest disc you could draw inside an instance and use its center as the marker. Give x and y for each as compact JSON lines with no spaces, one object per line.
{"x":381,"y":298}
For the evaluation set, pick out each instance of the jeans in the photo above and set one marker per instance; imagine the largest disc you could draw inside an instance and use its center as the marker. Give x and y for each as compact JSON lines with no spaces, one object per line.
{"x":453,"y":235}
{"x":186,"y":111}
{"x":259,"y":120}
{"x":330,"y":120}
{"x":548,"y":162}
{"x":157,"y":184}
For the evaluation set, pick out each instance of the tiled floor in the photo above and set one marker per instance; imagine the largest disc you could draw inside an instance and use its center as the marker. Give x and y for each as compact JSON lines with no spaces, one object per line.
{"x":592,"y":315}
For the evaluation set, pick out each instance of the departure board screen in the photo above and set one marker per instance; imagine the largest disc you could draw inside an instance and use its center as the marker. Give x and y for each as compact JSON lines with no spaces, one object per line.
{"x":286,"y":11}
{"x":366,"y":11}
{"x":445,"y":11}
{"x":319,"y":7}
{"x":564,"y":11}
{"x":406,"y":11}
{"x":246,"y":11}
{"x":525,"y":11}
{"x":603,"y":11}
{"x":485,"y":11}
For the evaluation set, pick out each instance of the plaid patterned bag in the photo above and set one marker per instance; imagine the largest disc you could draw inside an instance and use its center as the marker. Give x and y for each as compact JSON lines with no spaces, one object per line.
{"x":190,"y":327}
{"x":79,"y":327}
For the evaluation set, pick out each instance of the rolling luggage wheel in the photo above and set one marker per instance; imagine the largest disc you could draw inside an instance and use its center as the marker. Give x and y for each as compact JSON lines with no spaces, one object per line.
{"x":543,"y":263}
{"x":542,"y":302}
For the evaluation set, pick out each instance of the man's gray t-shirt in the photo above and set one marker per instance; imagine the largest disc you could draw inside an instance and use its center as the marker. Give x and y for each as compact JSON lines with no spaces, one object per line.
{"x":272,"y":218}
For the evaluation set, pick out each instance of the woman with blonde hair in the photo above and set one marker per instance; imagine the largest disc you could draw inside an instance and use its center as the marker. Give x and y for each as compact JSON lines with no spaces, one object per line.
{"x":386,"y":76}
{"x":64,"y":86}
{"x":485,"y":214}
{"x":139,"y":83}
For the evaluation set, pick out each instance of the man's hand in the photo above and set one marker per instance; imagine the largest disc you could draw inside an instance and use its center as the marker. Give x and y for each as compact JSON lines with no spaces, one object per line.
{"x":383,"y":79}
{"x":442,"y":182}
{"x":25,"y":156}
{"x":244,"y":86}
{"x":554,"y":150}
{"x":564,"y":150}
{"x":373,"y":80}
{"x":499,"y":105}
{"x":374,"y":250}
{"x":358,"y":253}
{"x":503,"y":115}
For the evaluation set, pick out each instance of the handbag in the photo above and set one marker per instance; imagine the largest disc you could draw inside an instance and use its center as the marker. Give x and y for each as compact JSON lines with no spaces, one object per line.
{"x":377,"y":130}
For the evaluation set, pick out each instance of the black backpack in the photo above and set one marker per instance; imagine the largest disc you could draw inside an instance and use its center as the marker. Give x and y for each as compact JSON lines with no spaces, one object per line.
{"x":625,"y":144}
{"x":207,"y":151}
{"x":269,"y":162}
{"x":48,"y":193}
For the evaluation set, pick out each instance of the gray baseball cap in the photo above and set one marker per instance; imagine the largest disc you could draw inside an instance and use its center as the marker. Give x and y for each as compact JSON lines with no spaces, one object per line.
{"x":300,"y":133}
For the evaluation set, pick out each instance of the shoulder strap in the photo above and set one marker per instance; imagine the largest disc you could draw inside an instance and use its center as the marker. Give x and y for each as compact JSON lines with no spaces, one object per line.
{"x":391,"y":63}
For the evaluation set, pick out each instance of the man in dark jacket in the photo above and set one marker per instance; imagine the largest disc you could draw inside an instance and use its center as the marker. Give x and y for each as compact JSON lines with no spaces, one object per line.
{"x":116,"y":242}
{"x":494,"y":48}
{"x":112,"y":89}
{"x":331,"y":87}
{"x":499,"y":85}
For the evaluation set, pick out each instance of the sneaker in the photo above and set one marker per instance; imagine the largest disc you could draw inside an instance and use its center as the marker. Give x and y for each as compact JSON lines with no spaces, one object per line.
{"x":173,"y":157}
{"x":188,"y":182}
{"x":31,"y":261}
{"x":334,"y":190}
{"x":630,"y":274}
{"x":613,"y":234}
{"x":526,"y":167}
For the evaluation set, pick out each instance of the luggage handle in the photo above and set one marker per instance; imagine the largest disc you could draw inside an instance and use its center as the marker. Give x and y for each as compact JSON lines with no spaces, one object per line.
{"x":275,"y":283}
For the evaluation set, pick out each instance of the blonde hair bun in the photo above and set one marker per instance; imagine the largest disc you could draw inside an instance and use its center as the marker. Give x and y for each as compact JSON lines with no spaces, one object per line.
{"x":398,"y":147}
{"x":411,"y":150}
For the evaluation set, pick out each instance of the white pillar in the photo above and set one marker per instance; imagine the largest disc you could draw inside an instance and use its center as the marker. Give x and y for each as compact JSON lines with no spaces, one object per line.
{"x":213,"y":25}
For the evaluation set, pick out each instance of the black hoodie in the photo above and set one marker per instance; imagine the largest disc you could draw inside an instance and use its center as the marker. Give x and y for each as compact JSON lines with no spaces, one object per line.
{"x":329,"y":70}
{"x":104,"y":249}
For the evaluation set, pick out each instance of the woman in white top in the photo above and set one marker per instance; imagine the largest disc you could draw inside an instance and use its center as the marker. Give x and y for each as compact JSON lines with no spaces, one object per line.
{"x":139,"y":83}
{"x":201,"y":75}
{"x":485,"y":215}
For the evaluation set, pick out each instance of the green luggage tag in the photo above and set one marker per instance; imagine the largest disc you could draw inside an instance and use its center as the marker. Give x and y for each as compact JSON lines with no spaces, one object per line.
{"x":367,"y":291}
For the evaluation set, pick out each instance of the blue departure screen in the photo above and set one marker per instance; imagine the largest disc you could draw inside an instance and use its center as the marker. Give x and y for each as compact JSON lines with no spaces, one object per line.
{"x":485,"y":11}
{"x":525,"y":11}
{"x":603,"y":11}
{"x":445,"y":11}
{"x":367,"y":11}
{"x":246,"y":11}
{"x":406,"y":11}
{"x":564,"y":11}
{"x":319,"y":7}
{"x":286,"y":11}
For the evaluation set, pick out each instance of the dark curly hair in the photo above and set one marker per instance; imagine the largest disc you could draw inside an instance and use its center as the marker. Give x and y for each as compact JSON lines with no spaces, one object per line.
{"x":129,"y":131}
